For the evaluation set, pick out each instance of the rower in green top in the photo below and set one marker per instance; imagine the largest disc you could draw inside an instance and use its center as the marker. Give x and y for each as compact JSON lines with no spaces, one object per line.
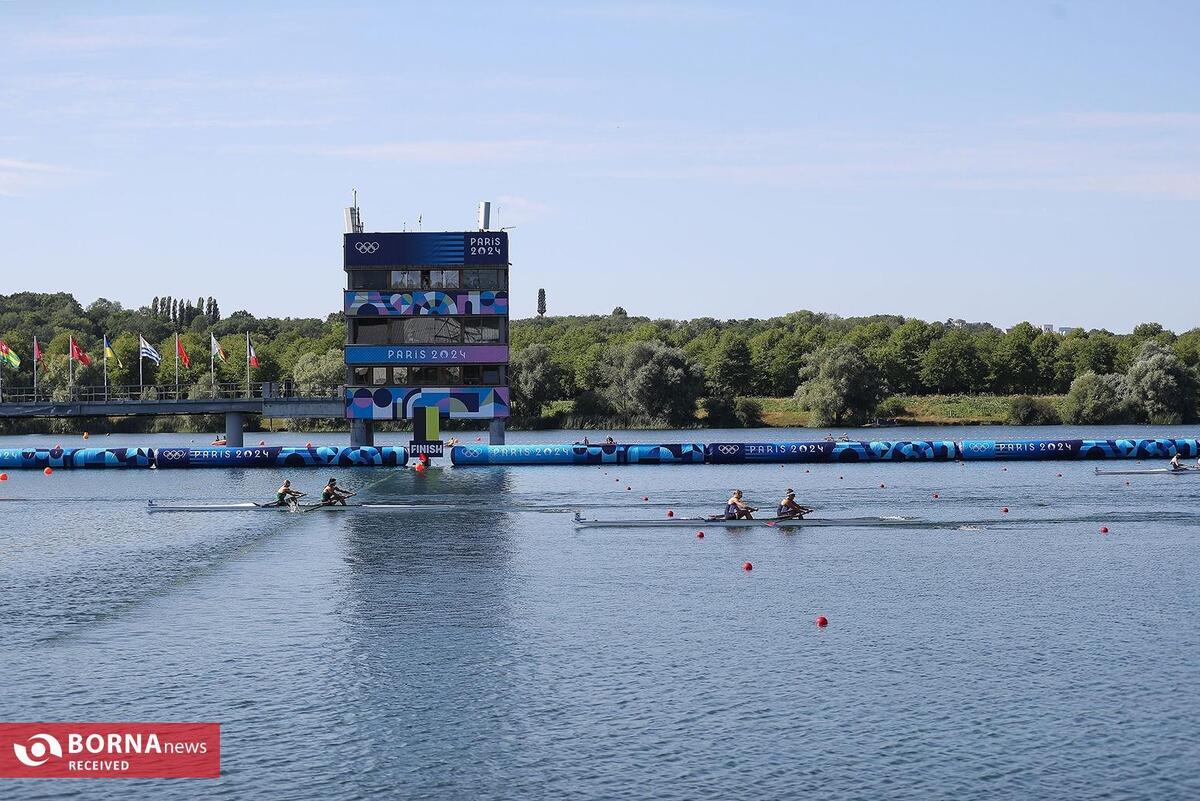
{"x":333,"y":494}
{"x":285,"y":495}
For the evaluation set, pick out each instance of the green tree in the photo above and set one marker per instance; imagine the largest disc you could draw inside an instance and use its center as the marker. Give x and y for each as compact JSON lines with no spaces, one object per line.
{"x":317,"y":373}
{"x":1161,"y":387}
{"x":952,"y":364}
{"x":1097,"y":399}
{"x":535,"y":380}
{"x":839,"y":385}
{"x":653,"y":380}
{"x":731,"y":373}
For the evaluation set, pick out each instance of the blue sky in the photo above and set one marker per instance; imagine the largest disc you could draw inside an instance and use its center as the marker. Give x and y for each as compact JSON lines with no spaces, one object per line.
{"x":989,"y":161}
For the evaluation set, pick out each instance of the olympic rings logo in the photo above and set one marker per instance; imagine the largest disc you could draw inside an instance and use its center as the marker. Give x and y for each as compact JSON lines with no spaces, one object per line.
{"x":728,"y":450}
{"x":171,"y":454}
{"x":472,"y":452}
{"x":366,"y":247}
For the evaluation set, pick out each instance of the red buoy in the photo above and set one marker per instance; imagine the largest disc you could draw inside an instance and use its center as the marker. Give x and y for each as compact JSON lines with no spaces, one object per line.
{"x":670,"y":513}
{"x":3,"y":476}
{"x":48,"y":471}
{"x":628,"y":489}
{"x":308,"y":444}
{"x":644,"y":498}
{"x":936,"y":496}
{"x":699,"y":535}
{"x":1104,"y":529}
{"x":822,"y":621}
{"x":883,"y":486}
{"x":262,"y":442}
{"x":747,"y":566}
{"x":1060,"y":475}
{"x":1004,"y":509}
{"x":420,"y":467}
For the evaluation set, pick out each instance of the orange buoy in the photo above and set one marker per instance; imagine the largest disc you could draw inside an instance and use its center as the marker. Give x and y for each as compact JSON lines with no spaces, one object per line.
{"x":3,"y":476}
{"x":48,"y":470}
{"x":699,"y":535}
{"x":1004,"y":509}
{"x":419,"y":467}
{"x":822,"y":621}
{"x":1104,"y":529}
{"x":747,"y":566}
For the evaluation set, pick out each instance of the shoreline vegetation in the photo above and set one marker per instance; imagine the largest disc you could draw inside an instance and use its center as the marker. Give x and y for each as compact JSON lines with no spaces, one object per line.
{"x":617,"y":371}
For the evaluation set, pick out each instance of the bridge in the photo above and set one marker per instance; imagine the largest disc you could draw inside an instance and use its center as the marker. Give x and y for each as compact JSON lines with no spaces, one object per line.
{"x":235,"y":401}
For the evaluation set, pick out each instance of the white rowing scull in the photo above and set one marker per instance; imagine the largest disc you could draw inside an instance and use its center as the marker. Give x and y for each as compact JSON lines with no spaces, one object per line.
{"x":722,"y":522}
{"x":1153,"y":471}
{"x":152,"y":506}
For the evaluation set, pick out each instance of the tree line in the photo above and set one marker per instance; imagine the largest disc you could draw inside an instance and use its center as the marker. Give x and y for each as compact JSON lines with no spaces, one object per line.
{"x":675,"y":372}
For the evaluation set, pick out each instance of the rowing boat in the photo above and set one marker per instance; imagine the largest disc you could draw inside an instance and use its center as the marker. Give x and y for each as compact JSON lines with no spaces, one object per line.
{"x":721,"y":522}
{"x":152,"y":506}
{"x":1153,"y":471}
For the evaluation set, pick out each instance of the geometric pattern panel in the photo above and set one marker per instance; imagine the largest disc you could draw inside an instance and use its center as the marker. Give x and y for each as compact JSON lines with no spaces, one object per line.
{"x":399,"y":403}
{"x":373,"y":303}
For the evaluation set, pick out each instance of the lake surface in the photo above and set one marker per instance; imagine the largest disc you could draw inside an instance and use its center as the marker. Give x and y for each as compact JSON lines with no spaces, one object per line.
{"x":496,"y":652}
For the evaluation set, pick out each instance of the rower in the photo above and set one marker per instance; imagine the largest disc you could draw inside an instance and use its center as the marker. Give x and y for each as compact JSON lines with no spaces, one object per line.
{"x":285,"y":495}
{"x":789,"y":508}
{"x":738,"y":509}
{"x":332,"y":494}
{"x":1175,"y":465}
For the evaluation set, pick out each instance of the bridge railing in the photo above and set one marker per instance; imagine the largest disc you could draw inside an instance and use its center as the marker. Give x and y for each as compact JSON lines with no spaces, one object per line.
{"x":133,"y":393}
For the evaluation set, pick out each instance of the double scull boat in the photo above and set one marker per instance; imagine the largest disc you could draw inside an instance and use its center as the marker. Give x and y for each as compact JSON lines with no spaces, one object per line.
{"x":1153,"y":471}
{"x":152,"y":506}
{"x":723,"y":522}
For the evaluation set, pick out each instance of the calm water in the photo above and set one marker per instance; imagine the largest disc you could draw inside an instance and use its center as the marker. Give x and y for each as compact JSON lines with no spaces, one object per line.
{"x":496,"y":652}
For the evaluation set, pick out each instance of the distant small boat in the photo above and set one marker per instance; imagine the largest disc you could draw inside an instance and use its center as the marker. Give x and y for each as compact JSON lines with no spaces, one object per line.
{"x":1153,"y":471}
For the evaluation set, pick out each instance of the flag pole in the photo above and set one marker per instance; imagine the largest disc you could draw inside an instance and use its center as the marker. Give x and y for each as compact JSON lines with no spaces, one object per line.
{"x":35,"y":361}
{"x":70,"y":366}
{"x":106,"y":366}
{"x":212,"y":363}
{"x":141,"y":385}
{"x":248,"y":394}
{"x":176,"y":365}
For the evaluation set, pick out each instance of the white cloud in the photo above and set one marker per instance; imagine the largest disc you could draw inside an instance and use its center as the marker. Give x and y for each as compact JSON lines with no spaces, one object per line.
{"x":18,"y":177}
{"x":93,"y":34}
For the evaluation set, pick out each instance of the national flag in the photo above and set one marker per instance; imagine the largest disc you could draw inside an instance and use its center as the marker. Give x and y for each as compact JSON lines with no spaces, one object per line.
{"x":183,"y":357}
{"x":147,"y":351}
{"x":109,"y":353}
{"x":8,"y":356}
{"x":217,"y":350}
{"x":250,"y":353}
{"x":37,"y":350}
{"x":79,"y":354}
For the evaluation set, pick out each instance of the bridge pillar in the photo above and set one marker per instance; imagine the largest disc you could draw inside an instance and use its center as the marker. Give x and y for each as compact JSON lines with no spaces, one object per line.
{"x":362,"y":433}
{"x":496,"y":431}
{"x":233,"y":429}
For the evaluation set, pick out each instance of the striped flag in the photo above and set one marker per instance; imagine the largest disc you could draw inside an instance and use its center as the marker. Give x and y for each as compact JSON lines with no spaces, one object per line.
{"x":109,"y":353}
{"x":217,"y":350}
{"x":37,"y":350}
{"x":147,"y":351}
{"x":8,"y":356}
{"x":250,"y":352}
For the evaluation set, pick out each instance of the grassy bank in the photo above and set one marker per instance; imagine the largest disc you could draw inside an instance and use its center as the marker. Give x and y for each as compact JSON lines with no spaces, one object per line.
{"x":967,"y":410}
